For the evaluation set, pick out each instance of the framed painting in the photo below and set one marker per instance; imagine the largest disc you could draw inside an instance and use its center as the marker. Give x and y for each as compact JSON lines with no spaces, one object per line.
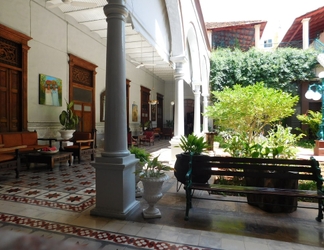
{"x":134,"y":113}
{"x":50,"y":90}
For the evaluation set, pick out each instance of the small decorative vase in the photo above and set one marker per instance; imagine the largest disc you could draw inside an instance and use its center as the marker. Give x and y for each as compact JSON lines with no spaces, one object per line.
{"x":152,"y":194}
{"x":67,"y":134}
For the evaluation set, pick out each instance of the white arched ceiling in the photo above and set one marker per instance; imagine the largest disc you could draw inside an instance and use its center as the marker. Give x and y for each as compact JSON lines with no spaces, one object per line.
{"x":156,"y":32}
{"x":194,"y":59}
{"x":176,"y":28}
{"x":205,"y":68}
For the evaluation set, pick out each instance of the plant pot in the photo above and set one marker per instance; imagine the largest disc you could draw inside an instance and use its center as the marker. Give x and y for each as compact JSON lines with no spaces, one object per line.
{"x":273,"y":203}
{"x":181,"y":168}
{"x":138,"y":190}
{"x":152,"y":194}
{"x":67,"y":134}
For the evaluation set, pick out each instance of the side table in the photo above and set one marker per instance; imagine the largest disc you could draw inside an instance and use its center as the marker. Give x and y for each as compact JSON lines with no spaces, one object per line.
{"x":49,"y":159}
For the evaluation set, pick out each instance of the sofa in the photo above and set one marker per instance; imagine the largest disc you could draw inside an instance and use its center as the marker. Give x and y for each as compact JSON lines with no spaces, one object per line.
{"x":10,"y":158}
{"x":26,"y":138}
{"x":13,"y":144}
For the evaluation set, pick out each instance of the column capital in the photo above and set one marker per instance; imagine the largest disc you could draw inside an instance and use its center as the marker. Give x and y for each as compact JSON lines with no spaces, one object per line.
{"x":116,"y":9}
{"x":179,"y":59}
{"x":179,"y":71}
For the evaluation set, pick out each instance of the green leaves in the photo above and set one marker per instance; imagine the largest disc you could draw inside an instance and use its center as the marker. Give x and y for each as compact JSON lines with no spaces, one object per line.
{"x":153,"y":168}
{"x":278,"y":69}
{"x":193,"y":144}
{"x":313,"y":119}
{"x":140,"y":153}
{"x":249,"y":109}
{"x":67,"y":118}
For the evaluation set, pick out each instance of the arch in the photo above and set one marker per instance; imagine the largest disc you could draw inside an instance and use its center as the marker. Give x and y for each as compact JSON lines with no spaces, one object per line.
{"x":194,"y":59}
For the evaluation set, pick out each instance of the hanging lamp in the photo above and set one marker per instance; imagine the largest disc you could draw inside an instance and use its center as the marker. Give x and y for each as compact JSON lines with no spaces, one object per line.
{"x":153,"y":102}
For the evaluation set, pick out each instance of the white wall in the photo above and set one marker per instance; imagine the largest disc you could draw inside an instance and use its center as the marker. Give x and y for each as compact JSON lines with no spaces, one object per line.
{"x":54,"y":35}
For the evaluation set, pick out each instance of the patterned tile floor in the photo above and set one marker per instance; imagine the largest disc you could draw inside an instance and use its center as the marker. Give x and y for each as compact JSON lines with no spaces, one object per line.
{"x":52,"y":208}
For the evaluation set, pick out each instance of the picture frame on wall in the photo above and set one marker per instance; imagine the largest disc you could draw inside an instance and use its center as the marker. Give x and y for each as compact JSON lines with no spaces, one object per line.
{"x":50,"y":90}
{"x":134,"y":113}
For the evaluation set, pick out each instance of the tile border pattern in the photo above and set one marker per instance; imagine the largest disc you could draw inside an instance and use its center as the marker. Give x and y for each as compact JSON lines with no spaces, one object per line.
{"x":94,"y":234}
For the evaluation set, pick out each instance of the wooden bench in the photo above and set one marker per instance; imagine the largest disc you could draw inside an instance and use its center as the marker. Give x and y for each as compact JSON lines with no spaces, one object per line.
{"x":29,"y":139}
{"x":259,"y":171}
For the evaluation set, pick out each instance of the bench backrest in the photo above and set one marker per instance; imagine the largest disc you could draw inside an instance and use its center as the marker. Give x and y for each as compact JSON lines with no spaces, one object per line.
{"x":12,"y":139}
{"x":257,"y":168}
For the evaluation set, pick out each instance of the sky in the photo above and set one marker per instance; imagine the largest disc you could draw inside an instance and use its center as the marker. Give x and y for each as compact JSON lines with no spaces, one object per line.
{"x":279,"y":13}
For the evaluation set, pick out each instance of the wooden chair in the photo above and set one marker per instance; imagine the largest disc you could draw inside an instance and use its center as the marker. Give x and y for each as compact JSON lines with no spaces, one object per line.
{"x":83,"y":145}
{"x":167,"y":132}
{"x":157,"y":133}
{"x":149,"y":137}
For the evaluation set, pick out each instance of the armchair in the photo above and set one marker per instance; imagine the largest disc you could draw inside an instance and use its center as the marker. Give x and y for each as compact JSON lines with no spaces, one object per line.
{"x":148,"y":138}
{"x":83,"y":144}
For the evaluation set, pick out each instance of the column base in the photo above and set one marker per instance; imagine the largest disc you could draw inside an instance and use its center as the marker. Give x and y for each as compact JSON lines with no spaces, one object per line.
{"x":121,"y":215}
{"x":115,"y":186}
{"x":319,"y":148}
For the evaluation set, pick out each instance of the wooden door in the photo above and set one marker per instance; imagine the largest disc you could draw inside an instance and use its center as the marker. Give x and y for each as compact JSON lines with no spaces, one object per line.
{"x":145,"y":109}
{"x":159,"y":120}
{"x":13,"y":80}
{"x":82,"y":91}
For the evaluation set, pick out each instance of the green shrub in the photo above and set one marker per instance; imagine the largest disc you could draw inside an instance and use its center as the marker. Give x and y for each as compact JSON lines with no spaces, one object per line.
{"x":313,"y":119}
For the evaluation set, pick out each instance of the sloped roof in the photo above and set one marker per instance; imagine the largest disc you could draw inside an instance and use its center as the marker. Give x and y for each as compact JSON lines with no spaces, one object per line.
{"x":294,"y":35}
{"x":233,"y":34}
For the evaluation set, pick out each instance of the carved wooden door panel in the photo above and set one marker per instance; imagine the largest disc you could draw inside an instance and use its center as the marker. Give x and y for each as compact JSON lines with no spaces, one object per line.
{"x":10,"y":100}
{"x":13,"y":80}
{"x":82,"y":90}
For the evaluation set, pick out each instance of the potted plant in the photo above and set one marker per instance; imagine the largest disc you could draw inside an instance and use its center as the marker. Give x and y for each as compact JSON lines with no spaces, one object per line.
{"x":69,"y":120}
{"x":152,"y":176}
{"x":191,"y":144}
{"x":143,"y":156}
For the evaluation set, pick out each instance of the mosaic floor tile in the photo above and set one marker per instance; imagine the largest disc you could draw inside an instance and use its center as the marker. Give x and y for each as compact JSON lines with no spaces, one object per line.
{"x":69,"y":188}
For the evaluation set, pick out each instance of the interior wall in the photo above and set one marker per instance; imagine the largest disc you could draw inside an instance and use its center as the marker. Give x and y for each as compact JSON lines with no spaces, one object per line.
{"x":54,"y":35}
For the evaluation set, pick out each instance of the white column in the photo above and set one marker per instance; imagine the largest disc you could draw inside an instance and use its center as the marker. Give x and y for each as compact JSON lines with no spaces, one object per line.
{"x":197,"y":111}
{"x":115,"y":179}
{"x":178,"y":110}
{"x":205,"y":119}
{"x":257,"y":35}
{"x":179,"y":105}
{"x":305,"y":23}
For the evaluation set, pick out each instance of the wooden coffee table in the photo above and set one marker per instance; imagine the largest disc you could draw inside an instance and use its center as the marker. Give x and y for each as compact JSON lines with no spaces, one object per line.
{"x":49,"y":159}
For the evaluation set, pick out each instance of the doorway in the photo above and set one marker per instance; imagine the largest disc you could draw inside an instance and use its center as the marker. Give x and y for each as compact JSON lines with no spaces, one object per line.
{"x":82,"y":82}
{"x":13,"y":80}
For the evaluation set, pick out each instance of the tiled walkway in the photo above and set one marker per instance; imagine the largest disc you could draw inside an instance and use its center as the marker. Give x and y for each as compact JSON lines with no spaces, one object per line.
{"x":212,"y":224}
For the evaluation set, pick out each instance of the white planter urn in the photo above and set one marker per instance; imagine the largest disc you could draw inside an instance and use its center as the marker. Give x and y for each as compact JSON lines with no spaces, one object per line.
{"x":138,"y":190}
{"x":66,"y":134}
{"x":152,"y":194}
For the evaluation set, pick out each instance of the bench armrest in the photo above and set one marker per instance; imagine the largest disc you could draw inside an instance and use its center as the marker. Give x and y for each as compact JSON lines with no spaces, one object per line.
{"x":84,"y":141}
{"x":12,"y":148}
